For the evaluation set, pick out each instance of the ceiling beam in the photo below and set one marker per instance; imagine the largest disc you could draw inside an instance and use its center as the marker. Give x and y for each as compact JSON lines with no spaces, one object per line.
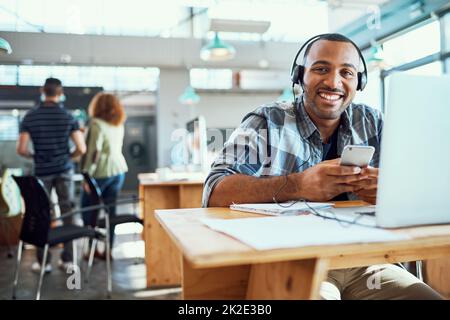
{"x":52,"y":48}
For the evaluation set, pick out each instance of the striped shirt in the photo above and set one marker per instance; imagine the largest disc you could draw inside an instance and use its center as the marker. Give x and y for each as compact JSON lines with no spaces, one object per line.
{"x":50,"y":127}
{"x":280,"y":138}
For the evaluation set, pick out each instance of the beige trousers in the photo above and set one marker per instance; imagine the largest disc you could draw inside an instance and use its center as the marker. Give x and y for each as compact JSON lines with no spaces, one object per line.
{"x":384,"y":281}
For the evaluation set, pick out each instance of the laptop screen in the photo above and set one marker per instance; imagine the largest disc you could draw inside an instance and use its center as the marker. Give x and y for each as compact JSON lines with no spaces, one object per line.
{"x":414,"y":178}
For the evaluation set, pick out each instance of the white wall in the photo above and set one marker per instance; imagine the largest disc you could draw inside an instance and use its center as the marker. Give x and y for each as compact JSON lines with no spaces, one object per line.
{"x":227,"y":110}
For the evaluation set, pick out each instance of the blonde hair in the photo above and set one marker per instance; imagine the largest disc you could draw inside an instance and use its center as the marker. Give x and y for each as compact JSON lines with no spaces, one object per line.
{"x":107,"y":107}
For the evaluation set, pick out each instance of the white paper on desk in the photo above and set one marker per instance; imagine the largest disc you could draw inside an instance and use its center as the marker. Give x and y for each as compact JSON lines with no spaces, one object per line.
{"x":297,"y":231}
{"x":274,"y":209}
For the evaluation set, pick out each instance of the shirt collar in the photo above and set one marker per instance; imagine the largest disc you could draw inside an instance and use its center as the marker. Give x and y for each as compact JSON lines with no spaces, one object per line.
{"x":307,"y":127}
{"x":305,"y":124}
{"x":345,"y":125}
{"x":50,"y":104}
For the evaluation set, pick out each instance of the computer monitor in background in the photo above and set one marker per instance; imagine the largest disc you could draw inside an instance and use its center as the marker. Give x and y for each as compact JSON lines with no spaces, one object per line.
{"x":196,"y":145}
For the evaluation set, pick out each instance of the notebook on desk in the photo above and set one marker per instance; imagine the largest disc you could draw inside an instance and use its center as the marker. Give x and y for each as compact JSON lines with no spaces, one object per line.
{"x":351,"y":212}
{"x":282,"y":209}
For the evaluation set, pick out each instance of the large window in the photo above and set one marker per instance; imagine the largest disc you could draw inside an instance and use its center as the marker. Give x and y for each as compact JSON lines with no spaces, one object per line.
{"x":110,"y":78}
{"x":211,"y":78}
{"x":8,"y":75}
{"x":226,"y":79}
{"x":9,"y":128}
{"x":291,"y":20}
{"x":131,"y":17}
{"x":446,"y":44}
{"x":430,"y":69}
{"x":263,"y":79}
{"x":415,"y":51}
{"x":372,"y":92}
{"x":418,"y":43}
{"x":446,"y":27}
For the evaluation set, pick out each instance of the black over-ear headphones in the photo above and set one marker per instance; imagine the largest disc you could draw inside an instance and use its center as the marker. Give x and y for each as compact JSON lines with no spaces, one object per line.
{"x":298,"y":70}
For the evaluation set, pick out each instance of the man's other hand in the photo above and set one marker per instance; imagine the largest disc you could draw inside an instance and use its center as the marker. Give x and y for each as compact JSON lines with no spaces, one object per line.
{"x":367,"y":188}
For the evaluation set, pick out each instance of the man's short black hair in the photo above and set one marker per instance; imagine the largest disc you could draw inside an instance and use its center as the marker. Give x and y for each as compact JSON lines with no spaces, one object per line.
{"x":52,"y":86}
{"x":330,"y":37}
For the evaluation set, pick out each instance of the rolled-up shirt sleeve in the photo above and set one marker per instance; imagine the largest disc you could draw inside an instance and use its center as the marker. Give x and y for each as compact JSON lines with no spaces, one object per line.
{"x":244,"y":152}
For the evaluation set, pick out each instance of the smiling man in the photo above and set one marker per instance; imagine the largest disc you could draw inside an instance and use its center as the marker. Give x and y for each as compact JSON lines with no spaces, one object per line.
{"x":293,"y":148}
{"x":330,"y":79}
{"x":291,"y":151}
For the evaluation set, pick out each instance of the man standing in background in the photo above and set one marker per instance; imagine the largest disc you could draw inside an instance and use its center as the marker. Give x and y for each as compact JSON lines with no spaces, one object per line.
{"x":50,"y":126}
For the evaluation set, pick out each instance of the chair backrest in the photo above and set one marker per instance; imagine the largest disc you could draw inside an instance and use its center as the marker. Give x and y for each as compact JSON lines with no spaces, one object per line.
{"x":37,"y":217}
{"x":95,"y":194}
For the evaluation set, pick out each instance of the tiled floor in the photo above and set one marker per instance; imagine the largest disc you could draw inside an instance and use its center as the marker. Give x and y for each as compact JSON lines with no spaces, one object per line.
{"x":128,"y":273}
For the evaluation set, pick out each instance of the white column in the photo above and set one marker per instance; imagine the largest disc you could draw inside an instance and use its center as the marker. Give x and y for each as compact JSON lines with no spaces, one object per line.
{"x":171,"y":114}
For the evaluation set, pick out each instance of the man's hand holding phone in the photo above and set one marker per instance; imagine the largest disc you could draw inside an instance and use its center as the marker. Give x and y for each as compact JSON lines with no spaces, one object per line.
{"x":326,"y":180}
{"x":361,"y":156}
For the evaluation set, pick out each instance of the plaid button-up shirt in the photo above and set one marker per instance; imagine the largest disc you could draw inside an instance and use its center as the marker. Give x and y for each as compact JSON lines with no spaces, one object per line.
{"x":280,"y":138}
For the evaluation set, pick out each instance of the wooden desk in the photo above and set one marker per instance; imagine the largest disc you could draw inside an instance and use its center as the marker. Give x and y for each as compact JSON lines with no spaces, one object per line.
{"x":10,"y":230}
{"x":216,"y":266}
{"x":162,"y":258}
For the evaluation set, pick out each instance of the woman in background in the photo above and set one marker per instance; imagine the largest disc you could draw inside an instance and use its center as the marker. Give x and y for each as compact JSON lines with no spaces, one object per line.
{"x":104,"y":160}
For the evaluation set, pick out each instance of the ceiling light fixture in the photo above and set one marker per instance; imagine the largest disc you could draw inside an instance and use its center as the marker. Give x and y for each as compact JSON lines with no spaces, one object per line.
{"x":189,"y":96}
{"x":5,"y":47}
{"x":217,"y":50}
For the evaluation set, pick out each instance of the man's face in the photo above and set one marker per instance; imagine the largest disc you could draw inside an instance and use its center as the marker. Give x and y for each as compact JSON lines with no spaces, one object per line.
{"x":330,"y":78}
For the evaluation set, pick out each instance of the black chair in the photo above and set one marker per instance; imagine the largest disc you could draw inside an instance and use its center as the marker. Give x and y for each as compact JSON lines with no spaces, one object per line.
{"x":36,"y":229}
{"x":96,"y":199}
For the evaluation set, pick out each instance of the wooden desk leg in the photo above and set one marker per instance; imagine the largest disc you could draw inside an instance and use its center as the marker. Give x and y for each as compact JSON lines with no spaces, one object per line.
{"x":162,"y":258}
{"x":215,"y":283}
{"x":191,"y":196}
{"x":287,"y":280}
{"x":436,"y":275}
{"x":10,"y":230}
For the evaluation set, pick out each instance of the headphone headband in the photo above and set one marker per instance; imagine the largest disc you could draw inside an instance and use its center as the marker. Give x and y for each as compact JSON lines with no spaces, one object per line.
{"x":297,"y":70}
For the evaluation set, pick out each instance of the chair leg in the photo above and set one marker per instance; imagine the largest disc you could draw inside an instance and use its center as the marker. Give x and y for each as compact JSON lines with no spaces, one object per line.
{"x":419,"y":270}
{"x":74,"y":254}
{"x":108,"y":257}
{"x":16,"y":273}
{"x":91,"y":259}
{"x":136,"y":239}
{"x":41,"y":277}
{"x":85,"y":246}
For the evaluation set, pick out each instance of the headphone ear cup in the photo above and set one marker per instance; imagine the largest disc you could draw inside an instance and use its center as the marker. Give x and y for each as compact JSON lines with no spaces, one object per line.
{"x":294,"y":76}
{"x":301,"y":72}
{"x":362,"y":81}
{"x":297,"y":75}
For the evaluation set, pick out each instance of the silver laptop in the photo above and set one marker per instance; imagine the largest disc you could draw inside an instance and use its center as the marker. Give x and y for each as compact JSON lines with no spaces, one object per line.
{"x":414,"y":178}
